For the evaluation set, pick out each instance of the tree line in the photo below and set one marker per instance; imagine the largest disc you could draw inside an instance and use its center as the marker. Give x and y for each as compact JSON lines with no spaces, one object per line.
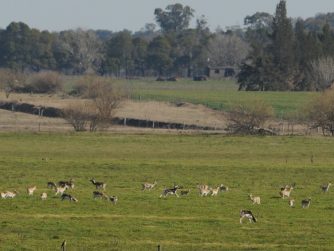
{"x":273,"y":52}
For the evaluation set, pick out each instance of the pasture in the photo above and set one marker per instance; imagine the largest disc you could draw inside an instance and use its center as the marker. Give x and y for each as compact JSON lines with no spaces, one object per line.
{"x":141,"y":220}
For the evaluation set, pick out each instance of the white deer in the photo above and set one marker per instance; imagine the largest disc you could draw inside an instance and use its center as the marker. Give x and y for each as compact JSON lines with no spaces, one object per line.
{"x":286,"y":191}
{"x":44,"y":196}
{"x":9,"y":194}
{"x":215,"y":191}
{"x":256,"y":199}
{"x":61,"y":190}
{"x":204,"y":190}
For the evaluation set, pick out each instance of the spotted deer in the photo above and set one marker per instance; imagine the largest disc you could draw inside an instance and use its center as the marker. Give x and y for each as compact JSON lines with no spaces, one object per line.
{"x":286,"y":191}
{"x":170,"y":191}
{"x":9,"y":194}
{"x":31,"y":190}
{"x":68,"y":197}
{"x":148,"y":186}
{"x":69,"y":184}
{"x":113,"y":199}
{"x":325,"y":187}
{"x":248,"y":215}
{"x":204,"y":190}
{"x":306,"y":203}
{"x":98,"y":185}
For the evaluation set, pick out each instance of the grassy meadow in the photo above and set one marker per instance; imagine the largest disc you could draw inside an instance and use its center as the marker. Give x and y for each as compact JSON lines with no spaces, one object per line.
{"x":216,"y":94}
{"x":141,"y":220}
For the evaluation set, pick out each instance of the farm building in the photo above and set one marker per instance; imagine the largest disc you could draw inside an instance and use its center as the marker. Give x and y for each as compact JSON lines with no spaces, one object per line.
{"x":221,"y":72}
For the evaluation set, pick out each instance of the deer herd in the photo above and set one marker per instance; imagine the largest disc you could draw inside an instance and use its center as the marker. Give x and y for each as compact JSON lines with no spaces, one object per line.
{"x":204,"y":190}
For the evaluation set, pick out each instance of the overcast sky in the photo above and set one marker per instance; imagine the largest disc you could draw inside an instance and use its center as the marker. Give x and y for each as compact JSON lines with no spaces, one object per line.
{"x":115,"y":15}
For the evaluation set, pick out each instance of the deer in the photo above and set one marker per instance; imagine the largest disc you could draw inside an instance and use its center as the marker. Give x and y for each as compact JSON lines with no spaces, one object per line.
{"x":285,"y":191}
{"x":170,"y":191}
{"x":247,"y":214}
{"x":98,"y":185}
{"x":204,"y":190}
{"x":148,"y":186}
{"x":256,"y":199}
{"x":97,"y":194}
{"x":51,"y":185}
{"x":292,"y":203}
{"x":3,"y":195}
{"x":223,"y":188}
{"x":31,"y":190}
{"x":68,"y":197}
{"x":113,"y":199}
{"x":11,"y":195}
{"x":69,"y":183}
{"x":215,"y":191}
{"x":44,"y":196}
{"x":306,"y":203}
{"x":60,"y":190}
{"x":325,"y":187}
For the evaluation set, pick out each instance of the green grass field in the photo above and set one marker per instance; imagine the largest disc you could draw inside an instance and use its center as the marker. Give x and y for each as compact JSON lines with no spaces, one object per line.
{"x":142,"y":220}
{"x":216,"y":94}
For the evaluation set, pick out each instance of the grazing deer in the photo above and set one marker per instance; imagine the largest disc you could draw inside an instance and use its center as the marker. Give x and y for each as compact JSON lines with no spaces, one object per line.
{"x":325,"y":187}
{"x":52,"y":185}
{"x":44,"y":196}
{"x":148,"y":186}
{"x":31,"y":190}
{"x":256,"y":199}
{"x":223,"y":188}
{"x":285,"y":191}
{"x":97,"y":194}
{"x":68,"y":197}
{"x":204,"y":190}
{"x":306,"y":203}
{"x":215,"y":191}
{"x":292,"y":203}
{"x":113,"y":199}
{"x":98,"y":185}
{"x":61,"y":190}
{"x":3,"y":195}
{"x":69,"y":184}
{"x":247,"y":214}
{"x":170,"y":191}
{"x":184,"y":192}
{"x":11,"y":194}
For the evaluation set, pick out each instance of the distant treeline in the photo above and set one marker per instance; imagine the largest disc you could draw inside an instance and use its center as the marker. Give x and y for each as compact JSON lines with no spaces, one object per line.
{"x":273,"y":52}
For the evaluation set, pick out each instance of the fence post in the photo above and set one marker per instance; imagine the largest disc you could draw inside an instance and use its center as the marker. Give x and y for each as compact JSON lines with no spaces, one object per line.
{"x":124,"y":122}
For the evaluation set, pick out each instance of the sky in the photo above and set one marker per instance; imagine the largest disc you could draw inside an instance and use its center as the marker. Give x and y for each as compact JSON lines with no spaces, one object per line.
{"x":116,"y":15}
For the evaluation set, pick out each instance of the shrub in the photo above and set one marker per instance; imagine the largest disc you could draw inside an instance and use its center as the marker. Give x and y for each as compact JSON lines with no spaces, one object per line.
{"x":247,"y":118}
{"x":43,"y":82}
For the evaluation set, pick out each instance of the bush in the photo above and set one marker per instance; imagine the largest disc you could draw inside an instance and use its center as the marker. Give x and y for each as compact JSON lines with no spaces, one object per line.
{"x":248,"y":118}
{"x":43,"y":82}
{"x":321,"y":112}
{"x":11,"y":80}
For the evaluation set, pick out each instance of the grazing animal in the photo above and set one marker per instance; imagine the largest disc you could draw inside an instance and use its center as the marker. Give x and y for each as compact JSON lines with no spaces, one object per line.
{"x":247,"y":214}
{"x":98,"y":185}
{"x":306,"y":203}
{"x":204,"y":190}
{"x":256,"y":199}
{"x":325,"y":187}
{"x":184,"y":192}
{"x":215,"y":191}
{"x":61,"y":190}
{"x":3,"y":195}
{"x":97,"y":194}
{"x":148,"y":186}
{"x":63,"y":246}
{"x":51,"y":185}
{"x":286,"y":191}
{"x":44,"y":196}
{"x":11,"y":195}
{"x":292,"y":203}
{"x":31,"y":190}
{"x":68,"y":197}
{"x":170,"y":191}
{"x":69,"y":183}
{"x":223,"y":188}
{"x":113,"y":199}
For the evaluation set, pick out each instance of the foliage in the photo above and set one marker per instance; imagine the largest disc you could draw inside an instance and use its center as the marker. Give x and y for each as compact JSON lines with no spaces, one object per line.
{"x":79,"y":115}
{"x":42,"y":82}
{"x":321,"y":112}
{"x":247,"y":118}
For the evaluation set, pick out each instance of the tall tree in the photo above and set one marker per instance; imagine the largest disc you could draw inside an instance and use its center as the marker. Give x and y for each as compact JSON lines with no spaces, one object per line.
{"x":174,"y":18}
